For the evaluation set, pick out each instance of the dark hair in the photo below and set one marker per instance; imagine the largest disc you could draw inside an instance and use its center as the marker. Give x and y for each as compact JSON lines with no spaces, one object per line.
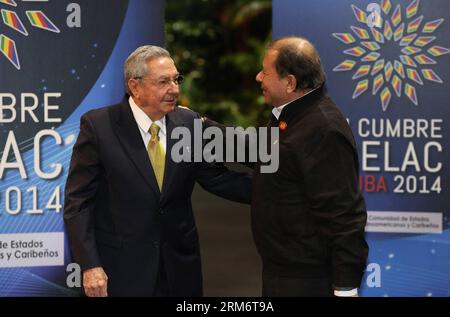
{"x":302,"y":62}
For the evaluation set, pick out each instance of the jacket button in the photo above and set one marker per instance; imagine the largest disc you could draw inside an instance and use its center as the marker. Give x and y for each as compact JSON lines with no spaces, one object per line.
{"x":156,"y":243}
{"x":161,"y":211}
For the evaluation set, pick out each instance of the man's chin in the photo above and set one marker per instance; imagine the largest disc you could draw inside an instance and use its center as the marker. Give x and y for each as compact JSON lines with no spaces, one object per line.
{"x":170,"y":106}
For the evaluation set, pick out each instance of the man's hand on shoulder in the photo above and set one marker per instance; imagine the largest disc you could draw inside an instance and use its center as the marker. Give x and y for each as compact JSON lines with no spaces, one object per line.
{"x":187,"y":108}
{"x":180,"y":106}
{"x":95,"y":282}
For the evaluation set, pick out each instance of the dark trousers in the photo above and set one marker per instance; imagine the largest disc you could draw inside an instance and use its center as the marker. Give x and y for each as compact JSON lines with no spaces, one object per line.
{"x":278,"y":286}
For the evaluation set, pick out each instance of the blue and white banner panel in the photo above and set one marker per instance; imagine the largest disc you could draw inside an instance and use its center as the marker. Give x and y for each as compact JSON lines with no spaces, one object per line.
{"x":388,"y":69}
{"x":58,"y":59}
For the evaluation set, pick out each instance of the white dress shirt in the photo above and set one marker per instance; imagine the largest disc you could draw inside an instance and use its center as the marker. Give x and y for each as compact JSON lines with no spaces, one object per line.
{"x":277,"y":110}
{"x":144,"y":123}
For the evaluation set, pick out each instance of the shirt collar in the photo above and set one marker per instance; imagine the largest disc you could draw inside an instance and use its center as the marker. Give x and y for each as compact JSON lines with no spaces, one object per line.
{"x":143,"y":121}
{"x":276,"y":111}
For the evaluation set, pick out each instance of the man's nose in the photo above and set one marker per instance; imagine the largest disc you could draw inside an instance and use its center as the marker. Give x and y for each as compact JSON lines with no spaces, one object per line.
{"x":259,"y":77}
{"x":174,"y":87}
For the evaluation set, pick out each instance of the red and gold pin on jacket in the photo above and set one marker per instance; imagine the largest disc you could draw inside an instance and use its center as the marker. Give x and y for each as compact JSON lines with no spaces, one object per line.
{"x":282,"y":125}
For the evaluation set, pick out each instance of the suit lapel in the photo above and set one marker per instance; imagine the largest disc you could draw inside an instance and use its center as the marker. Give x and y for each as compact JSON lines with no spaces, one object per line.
{"x":128,"y":133}
{"x":172,"y":121}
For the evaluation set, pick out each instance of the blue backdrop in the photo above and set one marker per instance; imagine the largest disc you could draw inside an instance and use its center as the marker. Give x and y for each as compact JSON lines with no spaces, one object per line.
{"x":388,"y":69}
{"x":59,"y":59}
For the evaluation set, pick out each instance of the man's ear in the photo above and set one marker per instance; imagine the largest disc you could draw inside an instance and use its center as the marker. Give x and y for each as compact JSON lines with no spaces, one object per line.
{"x":133,"y":86}
{"x":291,"y":83}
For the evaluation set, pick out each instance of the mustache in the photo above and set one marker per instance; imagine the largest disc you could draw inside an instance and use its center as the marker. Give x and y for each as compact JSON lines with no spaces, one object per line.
{"x":170,"y":97}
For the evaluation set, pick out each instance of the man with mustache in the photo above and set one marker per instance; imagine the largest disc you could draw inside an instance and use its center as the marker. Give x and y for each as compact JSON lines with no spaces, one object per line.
{"x":128,"y":211}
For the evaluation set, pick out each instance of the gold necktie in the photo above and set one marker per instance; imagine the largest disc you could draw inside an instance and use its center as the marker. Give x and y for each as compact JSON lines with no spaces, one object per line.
{"x":156,"y":154}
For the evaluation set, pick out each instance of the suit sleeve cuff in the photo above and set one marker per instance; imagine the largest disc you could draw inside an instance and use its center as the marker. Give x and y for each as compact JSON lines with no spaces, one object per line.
{"x":346,"y":293}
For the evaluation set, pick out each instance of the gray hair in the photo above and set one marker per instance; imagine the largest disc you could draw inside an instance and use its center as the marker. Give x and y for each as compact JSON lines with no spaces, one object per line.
{"x":297,"y":56}
{"x":136,"y":64}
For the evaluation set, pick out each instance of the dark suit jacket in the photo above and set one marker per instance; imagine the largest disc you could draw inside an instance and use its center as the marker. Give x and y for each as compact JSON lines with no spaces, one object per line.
{"x":117,"y":218}
{"x":308,"y":218}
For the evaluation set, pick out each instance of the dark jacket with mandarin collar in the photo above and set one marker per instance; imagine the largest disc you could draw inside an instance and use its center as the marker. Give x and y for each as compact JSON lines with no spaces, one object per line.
{"x":308,"y":218}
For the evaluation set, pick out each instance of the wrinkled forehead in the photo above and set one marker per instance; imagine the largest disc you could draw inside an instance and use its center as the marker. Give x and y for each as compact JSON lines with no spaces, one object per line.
{"x":162,"y":67}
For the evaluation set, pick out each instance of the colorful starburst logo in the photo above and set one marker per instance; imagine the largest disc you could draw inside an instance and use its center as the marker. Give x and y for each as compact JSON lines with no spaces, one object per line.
{"x":414,"y":48}
{"x":37,"y":19}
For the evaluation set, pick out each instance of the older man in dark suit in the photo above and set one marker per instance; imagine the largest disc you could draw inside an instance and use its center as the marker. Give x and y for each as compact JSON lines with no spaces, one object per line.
{"x":128,"y":209}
